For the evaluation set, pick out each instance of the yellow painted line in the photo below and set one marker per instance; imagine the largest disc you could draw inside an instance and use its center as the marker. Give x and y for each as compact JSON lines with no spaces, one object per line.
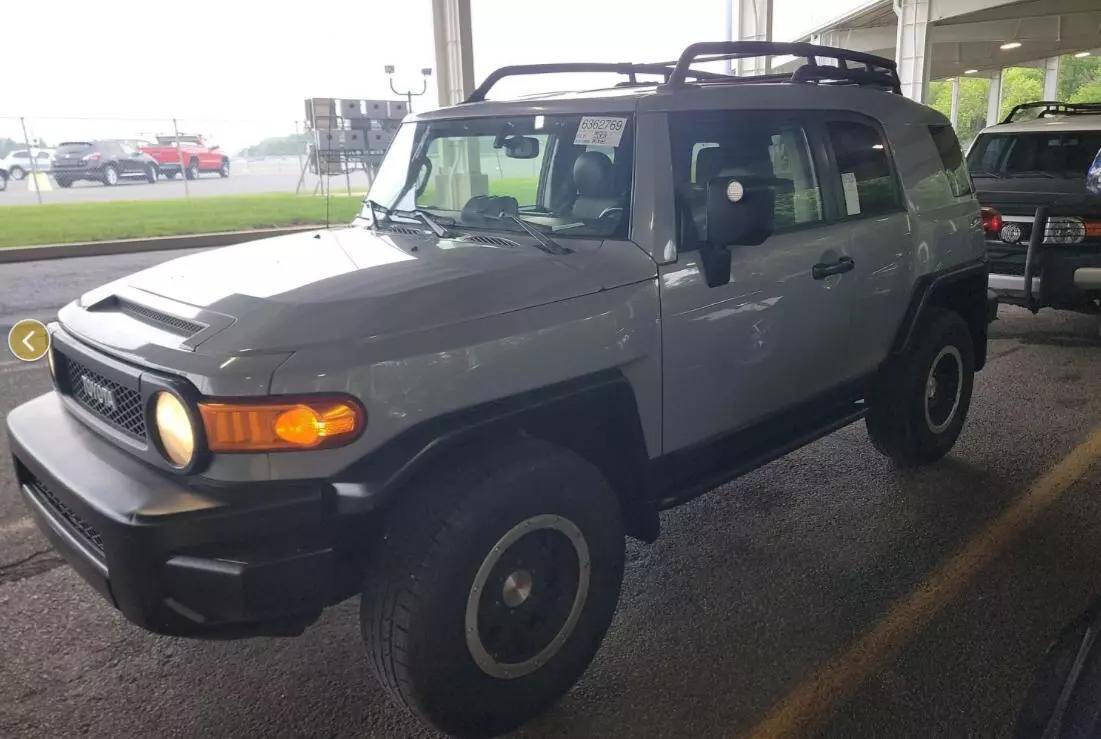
{"x":811,"y":702}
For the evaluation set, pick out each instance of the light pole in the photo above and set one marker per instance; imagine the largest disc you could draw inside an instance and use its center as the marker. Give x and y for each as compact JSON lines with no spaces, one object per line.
{"x":409,"y":94}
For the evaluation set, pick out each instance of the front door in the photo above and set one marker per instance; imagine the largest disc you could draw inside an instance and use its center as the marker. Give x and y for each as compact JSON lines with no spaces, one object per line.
{"x":774,"y":334}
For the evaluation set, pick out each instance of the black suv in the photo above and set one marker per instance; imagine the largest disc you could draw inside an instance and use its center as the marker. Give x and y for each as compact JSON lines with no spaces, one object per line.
{"x":101,"y":161}
{"x":1043,"y":231}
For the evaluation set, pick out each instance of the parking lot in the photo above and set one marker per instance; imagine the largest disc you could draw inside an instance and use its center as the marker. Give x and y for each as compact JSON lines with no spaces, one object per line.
{"x":276,"y":174}
{"x":826,"y":591}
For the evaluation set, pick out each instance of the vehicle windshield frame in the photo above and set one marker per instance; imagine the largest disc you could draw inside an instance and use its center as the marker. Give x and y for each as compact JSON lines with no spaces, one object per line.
{"x":545,"y":196}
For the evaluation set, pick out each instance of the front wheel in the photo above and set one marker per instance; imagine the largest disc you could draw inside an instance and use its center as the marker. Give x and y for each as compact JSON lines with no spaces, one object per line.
{"x":918,"y":404}
{"x":17,"y":173}
{"x":493,"y":587}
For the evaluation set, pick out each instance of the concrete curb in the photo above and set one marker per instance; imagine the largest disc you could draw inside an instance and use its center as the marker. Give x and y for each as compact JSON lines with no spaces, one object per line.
{"x":157,"y":243}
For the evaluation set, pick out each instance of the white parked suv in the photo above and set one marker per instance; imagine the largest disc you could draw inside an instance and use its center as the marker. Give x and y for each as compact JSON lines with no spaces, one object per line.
{"x":18,"y":163}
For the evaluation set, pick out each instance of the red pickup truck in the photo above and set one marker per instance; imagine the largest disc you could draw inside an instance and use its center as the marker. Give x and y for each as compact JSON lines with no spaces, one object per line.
{"x":192,"y":157}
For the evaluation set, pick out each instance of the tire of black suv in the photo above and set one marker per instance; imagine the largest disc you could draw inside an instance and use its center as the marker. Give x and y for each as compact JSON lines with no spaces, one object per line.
{"x":493,"y":586}
{"x":110,"y":176}
{"x":64,"y":182}
{"x":151,"y":174}
{"x":918,"y":403}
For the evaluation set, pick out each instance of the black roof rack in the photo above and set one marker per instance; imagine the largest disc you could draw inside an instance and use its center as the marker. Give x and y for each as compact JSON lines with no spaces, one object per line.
{"x":874,"y":71}
{"x":628,"y":69}
{"x":1054,"y":106}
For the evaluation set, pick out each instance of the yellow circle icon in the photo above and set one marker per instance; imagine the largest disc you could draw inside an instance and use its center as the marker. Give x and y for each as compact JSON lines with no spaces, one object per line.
{"x":29,"y":340}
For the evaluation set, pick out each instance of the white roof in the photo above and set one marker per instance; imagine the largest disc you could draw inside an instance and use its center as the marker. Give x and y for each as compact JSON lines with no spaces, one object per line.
{"x":1050,"y":124}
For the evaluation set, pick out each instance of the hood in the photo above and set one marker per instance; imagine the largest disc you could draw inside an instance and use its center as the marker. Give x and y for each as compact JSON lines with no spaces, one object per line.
{"x":291,"y":292}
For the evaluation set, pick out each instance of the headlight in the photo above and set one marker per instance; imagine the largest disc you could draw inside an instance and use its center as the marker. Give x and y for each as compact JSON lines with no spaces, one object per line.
{"x":174,"y":429}
{"x":282,"y":423}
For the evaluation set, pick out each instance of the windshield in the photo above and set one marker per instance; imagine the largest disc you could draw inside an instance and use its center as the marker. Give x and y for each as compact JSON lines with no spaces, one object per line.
{"x":570,"y":174}
{"x":1065,"y":155}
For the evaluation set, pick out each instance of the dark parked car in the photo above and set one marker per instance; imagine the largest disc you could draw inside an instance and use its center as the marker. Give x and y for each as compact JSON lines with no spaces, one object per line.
{"x":3,"y":179}
{"x":108,"y":162}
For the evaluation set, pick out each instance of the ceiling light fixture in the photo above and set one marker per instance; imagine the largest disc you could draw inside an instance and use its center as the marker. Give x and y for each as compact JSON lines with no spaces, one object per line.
{"x":970,"y":71}
{"x":1082,"y":54}
{"x":1011,"y":45}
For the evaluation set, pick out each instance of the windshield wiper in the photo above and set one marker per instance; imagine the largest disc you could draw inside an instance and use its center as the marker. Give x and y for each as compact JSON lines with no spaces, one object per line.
{"x":441,"y":231}
{"x":546,"y":243}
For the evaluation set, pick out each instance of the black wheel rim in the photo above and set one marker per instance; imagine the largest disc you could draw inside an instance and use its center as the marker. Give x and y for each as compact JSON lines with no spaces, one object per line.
{"x":942,"y":389}
{"x":527,"y":596}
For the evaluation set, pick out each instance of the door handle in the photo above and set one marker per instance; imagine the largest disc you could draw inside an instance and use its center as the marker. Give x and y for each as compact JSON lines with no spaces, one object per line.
{"x":822,"y":270}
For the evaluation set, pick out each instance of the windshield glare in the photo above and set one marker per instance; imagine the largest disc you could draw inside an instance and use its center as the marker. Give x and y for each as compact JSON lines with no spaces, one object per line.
{"x":1057,"y":154}
{"x":474,"y":171}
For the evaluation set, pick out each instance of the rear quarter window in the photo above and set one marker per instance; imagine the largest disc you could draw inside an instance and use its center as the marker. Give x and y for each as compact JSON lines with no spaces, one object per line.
{"x":951,"y":157}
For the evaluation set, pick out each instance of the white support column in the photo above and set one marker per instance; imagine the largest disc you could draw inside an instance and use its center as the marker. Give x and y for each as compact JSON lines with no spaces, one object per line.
{"x":1051,"y":78}
{"x":454,"y":50}
{"x":954,"y":115}
{"x":460,"y":178}
{"x":754,"y":23}
{"x":913,"y":46}
{"x":994,"y":98}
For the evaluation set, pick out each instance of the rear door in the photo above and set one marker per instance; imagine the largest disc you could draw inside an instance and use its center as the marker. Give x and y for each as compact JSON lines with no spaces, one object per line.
{"x":877,"y":233}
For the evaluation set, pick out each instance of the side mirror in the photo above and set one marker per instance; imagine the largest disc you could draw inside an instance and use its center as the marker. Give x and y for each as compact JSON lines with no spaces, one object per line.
{"x":521,"y":147}
{"x":1093,"y":176}
{"x":740,"y":210}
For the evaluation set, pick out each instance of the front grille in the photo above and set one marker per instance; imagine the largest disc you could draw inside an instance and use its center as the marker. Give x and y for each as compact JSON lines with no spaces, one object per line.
{"x":177,"y":325}
{"x":118,"y":405}
{"x":87,"y":531}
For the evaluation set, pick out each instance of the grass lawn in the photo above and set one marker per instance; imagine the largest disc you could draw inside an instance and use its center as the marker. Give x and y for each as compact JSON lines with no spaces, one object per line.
{"x":27,"y":225}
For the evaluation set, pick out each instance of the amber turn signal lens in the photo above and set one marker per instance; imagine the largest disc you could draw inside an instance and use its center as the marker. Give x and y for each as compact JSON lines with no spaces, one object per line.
{"x":280,"y":424}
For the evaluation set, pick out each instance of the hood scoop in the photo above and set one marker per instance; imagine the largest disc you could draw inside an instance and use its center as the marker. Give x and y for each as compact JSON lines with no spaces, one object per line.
{"x":131,"y":317}
{"x":181,"y":326}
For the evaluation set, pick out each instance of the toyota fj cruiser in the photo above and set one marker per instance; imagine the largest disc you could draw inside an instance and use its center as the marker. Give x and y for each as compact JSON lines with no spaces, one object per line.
{"x":1042,"y":228}
{"x":556,"y":316}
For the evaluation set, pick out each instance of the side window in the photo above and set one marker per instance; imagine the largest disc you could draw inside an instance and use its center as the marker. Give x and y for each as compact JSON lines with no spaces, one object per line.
{"x":948,"y":146}
{"x":43,"y":155}
{"x":867,"y":183}
{"x":21,"y":155}
{"x":723,"y":143}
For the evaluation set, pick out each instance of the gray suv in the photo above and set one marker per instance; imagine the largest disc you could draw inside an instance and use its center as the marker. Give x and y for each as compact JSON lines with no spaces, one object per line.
{"x":555,"y":317}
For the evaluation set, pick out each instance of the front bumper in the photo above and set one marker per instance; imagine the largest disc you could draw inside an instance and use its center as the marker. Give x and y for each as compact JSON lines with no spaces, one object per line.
{"x":177,"y":559}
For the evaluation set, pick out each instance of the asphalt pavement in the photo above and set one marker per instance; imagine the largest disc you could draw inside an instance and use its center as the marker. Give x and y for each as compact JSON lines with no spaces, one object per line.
{"x":826,"y":592}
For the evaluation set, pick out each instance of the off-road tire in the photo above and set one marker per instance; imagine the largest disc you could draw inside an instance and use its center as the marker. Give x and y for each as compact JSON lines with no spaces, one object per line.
{"x":442,"y":537}
{"x":907,"y":421}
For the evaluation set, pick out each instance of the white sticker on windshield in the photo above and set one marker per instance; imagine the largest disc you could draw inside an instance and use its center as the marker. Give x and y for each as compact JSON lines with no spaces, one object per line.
{"x":596,"y":130}
{"x":852,"y":195}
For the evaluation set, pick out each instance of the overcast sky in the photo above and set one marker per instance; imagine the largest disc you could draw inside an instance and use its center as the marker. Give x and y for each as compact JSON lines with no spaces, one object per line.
{"x":239,"y":70}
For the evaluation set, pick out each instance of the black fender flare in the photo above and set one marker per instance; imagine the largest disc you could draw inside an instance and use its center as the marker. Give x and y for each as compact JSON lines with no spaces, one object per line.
{"x":596,"y":416}
{"x":962,"y":288}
